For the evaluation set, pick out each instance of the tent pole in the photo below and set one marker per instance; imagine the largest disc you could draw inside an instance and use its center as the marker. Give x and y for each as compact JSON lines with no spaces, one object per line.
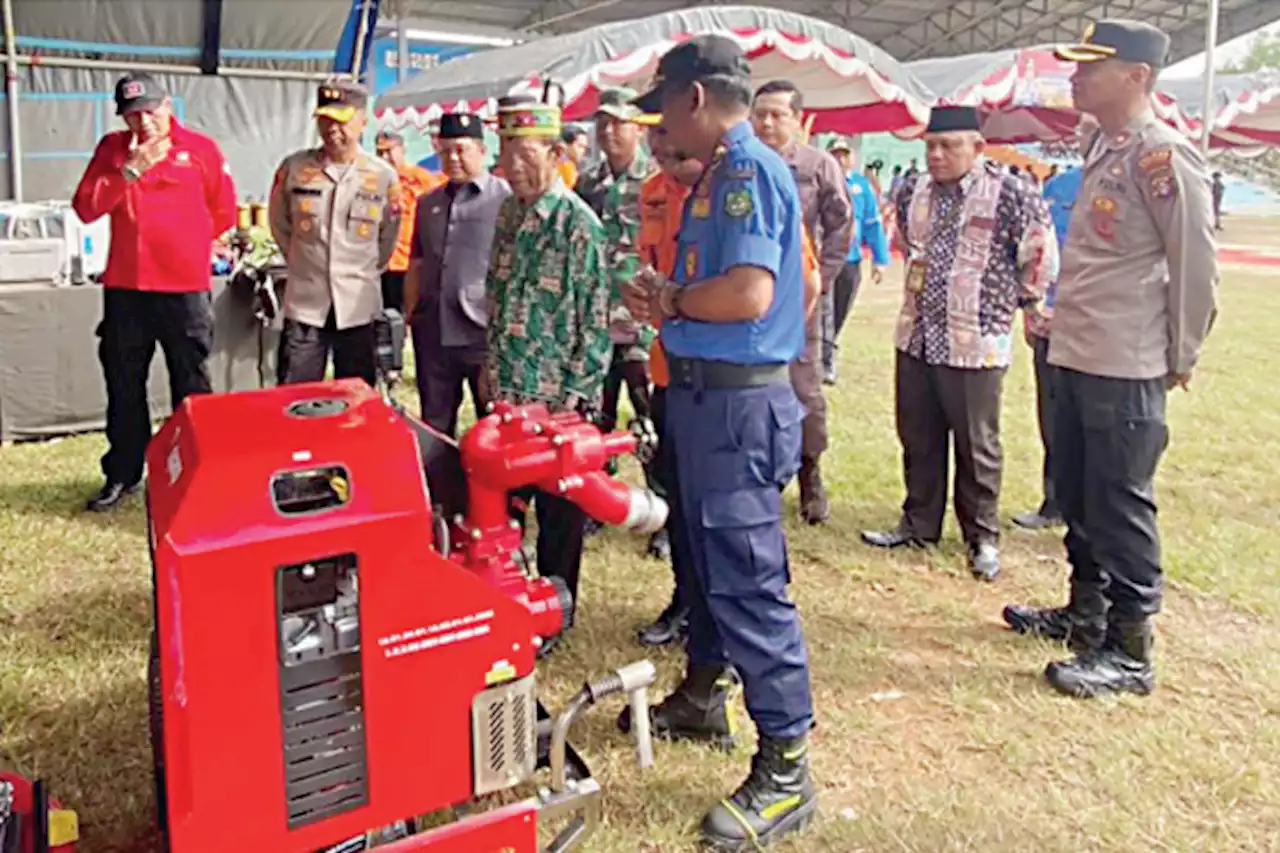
{"x":1207,"y":112}
{"x":159,"y":68}
{"x":11,"y":98}
{"x":402,"y":46}
{"x":357,"y":57}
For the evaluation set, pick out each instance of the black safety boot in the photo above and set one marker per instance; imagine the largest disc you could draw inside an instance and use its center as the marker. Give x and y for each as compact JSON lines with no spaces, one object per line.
{"x":111,"y":496}
{"x":697,"y":710}
{"x":1052,"y":623}
{"x":671,"y":625}
{"x":660,"y":545}
{"x":814,"y":507}
{"x":1122,"y":665}
{"x":777,"y":799}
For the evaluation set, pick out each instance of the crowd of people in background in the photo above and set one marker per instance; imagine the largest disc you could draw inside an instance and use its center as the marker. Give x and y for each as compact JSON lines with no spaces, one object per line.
{"x":706,"y":264}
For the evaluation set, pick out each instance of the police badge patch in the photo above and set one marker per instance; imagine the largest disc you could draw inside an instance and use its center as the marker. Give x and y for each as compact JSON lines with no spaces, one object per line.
{"x":738,"y":203}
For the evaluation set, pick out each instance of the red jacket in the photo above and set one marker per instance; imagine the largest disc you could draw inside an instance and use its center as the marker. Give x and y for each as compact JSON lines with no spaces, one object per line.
{"x":163,"y":225}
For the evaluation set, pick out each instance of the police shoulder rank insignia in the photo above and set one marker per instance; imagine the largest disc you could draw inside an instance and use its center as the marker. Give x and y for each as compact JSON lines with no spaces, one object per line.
{"x":1155,"y":159}
{"x":738,"y":203}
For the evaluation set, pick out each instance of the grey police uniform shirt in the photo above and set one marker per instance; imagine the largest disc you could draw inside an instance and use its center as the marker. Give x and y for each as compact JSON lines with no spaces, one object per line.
{"x":1137,"y":293}
{"x":453,"y":238}
{"x":336,"y":225}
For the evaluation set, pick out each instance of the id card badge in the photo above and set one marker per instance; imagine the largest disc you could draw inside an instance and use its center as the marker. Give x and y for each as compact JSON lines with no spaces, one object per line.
{"x":915,"y":275}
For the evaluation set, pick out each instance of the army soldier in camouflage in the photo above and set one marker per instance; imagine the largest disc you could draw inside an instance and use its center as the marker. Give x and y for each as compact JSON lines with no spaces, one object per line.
{"x":612,"y":189}
{"x":548,"y":295}
{"x":1135,"y":301}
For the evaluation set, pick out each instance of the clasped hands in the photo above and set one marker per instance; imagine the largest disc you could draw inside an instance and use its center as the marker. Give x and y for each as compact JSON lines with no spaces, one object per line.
{"x":650,"y":297}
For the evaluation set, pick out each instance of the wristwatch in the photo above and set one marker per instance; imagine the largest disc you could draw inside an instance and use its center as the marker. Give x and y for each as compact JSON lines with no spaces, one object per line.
{"x":130,"y":172}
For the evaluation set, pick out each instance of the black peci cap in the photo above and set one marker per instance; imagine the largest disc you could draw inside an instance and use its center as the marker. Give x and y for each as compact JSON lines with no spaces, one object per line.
{"x":461,"y":126}
{"x":946,"y":119}
{"x":1119,"y":38}
{"x":695,"y":60}
{"x":135,"y":92}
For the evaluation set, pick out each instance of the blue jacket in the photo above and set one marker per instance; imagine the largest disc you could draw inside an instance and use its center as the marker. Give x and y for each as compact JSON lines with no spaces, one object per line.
{"x":1061,"y":191}
{"x":868,"y":230}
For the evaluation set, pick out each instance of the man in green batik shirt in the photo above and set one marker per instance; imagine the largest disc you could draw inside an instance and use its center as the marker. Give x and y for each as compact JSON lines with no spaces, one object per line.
{"x":548,"y":295}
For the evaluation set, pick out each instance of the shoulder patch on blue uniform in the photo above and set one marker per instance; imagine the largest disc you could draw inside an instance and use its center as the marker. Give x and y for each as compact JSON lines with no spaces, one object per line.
{"x":739,"y":203}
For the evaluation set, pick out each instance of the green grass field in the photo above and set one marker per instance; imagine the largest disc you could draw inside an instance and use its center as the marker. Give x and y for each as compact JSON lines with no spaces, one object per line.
{"x":936,"y":731}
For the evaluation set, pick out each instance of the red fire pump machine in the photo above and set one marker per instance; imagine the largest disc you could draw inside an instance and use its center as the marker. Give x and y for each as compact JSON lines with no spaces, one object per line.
{"x":324,"y":669}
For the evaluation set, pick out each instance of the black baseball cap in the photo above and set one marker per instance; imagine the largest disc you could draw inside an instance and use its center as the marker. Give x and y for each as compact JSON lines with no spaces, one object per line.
{"x":695,"y":60}
{"x":340,"y":100}
{"x":136,"y":92}
{"x":1119,"y":38}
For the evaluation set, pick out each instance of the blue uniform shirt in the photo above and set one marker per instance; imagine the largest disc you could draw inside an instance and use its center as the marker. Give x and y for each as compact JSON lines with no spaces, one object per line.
{"x":744,"y":211}
{"x":867,"y":228}
{"x":1061,"y":191}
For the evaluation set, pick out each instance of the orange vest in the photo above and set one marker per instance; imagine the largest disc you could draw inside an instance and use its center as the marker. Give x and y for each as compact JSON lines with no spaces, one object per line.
{"x":662,"y":200}
{"x":414,"y":182}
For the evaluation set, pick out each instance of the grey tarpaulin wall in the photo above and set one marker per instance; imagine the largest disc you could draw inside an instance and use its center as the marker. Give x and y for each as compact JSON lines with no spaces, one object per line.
{"x":62,"y":111}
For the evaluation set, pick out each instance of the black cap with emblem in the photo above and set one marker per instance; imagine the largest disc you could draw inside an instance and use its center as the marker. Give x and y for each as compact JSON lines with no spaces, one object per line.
{"x":1119,"y":38}
{"x":691,"y":62}
{"x":461,"y":126}
{"x":947,"y":119}
{"x":138,"y":92}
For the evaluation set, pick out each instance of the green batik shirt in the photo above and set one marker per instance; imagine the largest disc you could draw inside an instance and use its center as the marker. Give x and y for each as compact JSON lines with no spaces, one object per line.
{"x":616,"y":200}
{"x":548,"y":296}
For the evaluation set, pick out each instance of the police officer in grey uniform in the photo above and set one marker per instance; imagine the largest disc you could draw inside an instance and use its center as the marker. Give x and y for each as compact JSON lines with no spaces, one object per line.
{"x":1135,"y":301}
{"x":335,"y":213}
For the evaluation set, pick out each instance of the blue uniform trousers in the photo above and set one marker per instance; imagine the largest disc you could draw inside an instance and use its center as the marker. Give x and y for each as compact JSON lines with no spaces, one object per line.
{"x":734,"y":449}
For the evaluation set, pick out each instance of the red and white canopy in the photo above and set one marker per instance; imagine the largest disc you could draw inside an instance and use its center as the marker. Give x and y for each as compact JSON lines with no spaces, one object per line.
{"x":848,"y":85}
{"x":1253,"y":116}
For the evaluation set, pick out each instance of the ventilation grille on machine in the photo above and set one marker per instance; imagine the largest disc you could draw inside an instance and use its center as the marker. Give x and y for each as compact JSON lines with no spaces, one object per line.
{"x":322,"y":698}
{"x":504,"y":738}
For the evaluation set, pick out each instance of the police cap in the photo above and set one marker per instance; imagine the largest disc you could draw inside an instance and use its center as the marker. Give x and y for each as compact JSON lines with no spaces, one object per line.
{"x":1119,"y":38}
{"x":341,"y":100}
{"x":696,"y":60}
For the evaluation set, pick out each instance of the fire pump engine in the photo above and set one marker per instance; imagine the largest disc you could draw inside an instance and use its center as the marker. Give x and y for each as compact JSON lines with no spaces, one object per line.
{"x":324,"y":666}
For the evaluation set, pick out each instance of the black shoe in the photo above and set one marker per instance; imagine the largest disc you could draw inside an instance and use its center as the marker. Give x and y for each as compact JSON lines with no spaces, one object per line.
{"x":591,"y":528}
{"x":660,"y":545}
{"x":777,"y":799}
{"x":814,"y":507}
{"x":1038,"y":520}
{"x":1051,"y":623}
{"x":1122,"y":665}
{"x":111,"y":495}
{"x":898,"y":537}
{"x":671,"y":625}
{"x":984,"y":561}
{"x":697,"y":710}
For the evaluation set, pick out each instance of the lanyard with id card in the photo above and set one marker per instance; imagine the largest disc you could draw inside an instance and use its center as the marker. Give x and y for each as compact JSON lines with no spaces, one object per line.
{"x":916,"y":269}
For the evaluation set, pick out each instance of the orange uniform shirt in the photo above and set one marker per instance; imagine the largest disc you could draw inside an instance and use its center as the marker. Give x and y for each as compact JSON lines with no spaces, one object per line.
{"x":414,"y":181}
{"x":568,"y":173}
{"x":662,"y":200}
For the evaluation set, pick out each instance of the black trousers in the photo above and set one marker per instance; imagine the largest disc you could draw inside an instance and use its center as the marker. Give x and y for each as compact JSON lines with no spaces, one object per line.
{"x":665,"y":482}
{"x":441,"y":374}
{"x":635,"y":376}
{"x":939,"y":406}
{"x":133,"y":322}
{"x":838,"y":302}
{"x":1044,"y":417}
{"x":561,"y":530}
{"x":1109,"y":436}
{"x":305,"y":349}
{"x":393,"y":290}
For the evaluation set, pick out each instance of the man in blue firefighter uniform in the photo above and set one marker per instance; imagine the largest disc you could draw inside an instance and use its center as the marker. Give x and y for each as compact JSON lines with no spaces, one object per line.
{"x":732,"y":322}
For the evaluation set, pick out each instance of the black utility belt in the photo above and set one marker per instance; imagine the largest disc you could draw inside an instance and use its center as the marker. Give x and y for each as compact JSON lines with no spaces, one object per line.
{"x":702,"y":373}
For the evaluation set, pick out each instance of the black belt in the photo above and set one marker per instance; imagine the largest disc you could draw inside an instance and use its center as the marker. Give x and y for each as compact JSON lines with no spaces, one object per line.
{"x":701,"y":373}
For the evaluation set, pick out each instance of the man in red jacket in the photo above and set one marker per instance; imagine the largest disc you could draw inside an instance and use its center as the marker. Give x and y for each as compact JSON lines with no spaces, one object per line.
{"x":169,"y":193}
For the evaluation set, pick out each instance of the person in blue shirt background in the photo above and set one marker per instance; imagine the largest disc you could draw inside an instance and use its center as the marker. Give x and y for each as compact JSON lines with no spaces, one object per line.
{"x":868,"y":232}
{"x":1060,"y":191}
{"x":732,"y":321}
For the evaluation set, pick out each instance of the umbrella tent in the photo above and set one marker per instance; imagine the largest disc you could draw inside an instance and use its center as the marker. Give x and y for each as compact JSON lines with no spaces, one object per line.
{"x":1025,"y":95}
{"x":849,"y":85}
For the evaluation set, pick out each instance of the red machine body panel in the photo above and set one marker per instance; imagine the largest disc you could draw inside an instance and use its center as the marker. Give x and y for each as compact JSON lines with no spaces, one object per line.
{"x":509,"y":829}
{"x":430,"y":631}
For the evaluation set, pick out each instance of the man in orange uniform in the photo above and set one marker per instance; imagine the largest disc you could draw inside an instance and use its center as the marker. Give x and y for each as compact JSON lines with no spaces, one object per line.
{"x":415,"y":181}
{"x":662,"y":199}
